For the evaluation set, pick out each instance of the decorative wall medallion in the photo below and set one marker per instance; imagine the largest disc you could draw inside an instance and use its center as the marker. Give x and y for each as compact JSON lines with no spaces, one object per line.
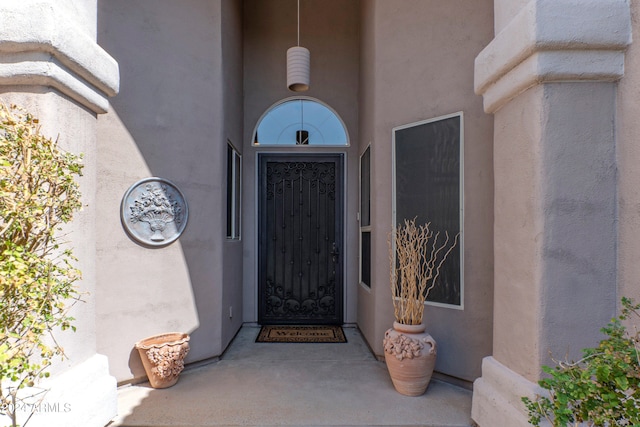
{"x":154,"y":212}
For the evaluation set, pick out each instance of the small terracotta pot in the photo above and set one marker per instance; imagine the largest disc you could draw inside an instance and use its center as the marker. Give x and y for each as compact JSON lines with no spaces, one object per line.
{"x":410,"y":354}
{"x":163,"y":357}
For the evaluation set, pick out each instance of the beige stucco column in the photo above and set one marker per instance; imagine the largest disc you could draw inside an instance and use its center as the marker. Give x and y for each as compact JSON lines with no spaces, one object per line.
{"x":549,"y":77}
{"x":51,"y":64}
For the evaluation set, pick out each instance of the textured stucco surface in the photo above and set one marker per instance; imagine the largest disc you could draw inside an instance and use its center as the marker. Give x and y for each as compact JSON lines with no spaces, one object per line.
{"x":81,"y":381}
{"x":75,"y":129}
{"x":60,"y":52}
{"x":547,"y":41}
{"x":366,"y":296}
{"x":517,"y":180}
{"x":231,"y":308}
{"x":555,"y":222}
{"x":556,"y":195}
{"x":169,"y":122}
{"x":505,"y":11}
{"x":405,"y":79}
{"x":579,"y":242}
{"x":628,"y":156}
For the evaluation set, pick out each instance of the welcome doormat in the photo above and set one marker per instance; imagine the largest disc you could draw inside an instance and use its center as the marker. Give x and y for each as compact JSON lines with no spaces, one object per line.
{"x":301,"y":334}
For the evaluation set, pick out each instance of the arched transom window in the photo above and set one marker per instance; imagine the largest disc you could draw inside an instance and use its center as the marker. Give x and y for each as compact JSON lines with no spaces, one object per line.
{"x":300,"y":121}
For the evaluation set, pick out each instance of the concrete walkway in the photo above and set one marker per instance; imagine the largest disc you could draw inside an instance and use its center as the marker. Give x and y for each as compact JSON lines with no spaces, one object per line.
{"x":267,"y":384}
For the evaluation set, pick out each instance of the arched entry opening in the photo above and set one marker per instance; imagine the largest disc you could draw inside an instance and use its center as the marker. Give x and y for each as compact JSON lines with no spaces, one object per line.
{"x":300,"y":121}
{"x":300,"y":214}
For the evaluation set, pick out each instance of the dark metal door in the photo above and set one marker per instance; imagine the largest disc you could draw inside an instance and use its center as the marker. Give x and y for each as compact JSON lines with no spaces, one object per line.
{"x":300,"y":239}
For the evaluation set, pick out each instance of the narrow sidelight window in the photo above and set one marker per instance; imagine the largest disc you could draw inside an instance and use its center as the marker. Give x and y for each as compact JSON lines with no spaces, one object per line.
{"x":365,"y":217}
{"x":234,"y":180}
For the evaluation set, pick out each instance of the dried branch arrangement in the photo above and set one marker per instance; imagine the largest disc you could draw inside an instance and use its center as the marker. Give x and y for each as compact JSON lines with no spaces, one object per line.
{"x":416,"y":255}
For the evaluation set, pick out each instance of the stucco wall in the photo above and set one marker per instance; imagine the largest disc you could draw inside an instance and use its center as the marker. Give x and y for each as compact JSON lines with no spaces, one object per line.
{"x":505,"y":11}
{"x":629,"y":174}
{"x":85,"y":12}
{"x":418,"y":64}
{"x":366,"y":297}
{"x":329,"y":29}
{"x":231,"y":310}
{"x":59,"y":74}
{"x":168,"y":121}
{"x":549,"y":77}
{"x":75,"y":129}
{"x":516,"y":187}
{"x":554,"y":188}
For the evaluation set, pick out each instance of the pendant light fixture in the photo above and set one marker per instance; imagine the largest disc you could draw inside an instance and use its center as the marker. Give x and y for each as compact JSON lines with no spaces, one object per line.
{"x":298,"y":64}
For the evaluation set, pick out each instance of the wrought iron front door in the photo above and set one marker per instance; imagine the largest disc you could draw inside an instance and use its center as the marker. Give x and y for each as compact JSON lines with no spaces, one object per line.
{"x":300,"y":239}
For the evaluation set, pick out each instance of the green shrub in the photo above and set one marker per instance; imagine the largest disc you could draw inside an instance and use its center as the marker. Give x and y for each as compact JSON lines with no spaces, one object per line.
{"x":38,"y":193}
{"x":602,"y":388}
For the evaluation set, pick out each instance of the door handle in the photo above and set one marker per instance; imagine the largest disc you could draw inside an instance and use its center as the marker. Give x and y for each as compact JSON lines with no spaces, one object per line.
{"x":335,"y":253}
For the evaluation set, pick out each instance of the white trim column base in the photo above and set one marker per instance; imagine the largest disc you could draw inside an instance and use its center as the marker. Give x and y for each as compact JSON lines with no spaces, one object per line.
{"x":497,"y":396}
{"x":83,"y":396}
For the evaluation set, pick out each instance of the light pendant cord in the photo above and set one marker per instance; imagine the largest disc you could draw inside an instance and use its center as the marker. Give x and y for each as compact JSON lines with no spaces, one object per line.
{"x":298,"y":22}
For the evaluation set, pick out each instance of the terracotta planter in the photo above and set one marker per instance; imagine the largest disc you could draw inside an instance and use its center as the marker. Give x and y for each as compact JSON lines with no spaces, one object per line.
{"x":163,"y":357}
{"x":410,"y":354}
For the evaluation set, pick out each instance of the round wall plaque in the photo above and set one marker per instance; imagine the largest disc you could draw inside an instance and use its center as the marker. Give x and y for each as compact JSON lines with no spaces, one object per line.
{"x":154,"y":212}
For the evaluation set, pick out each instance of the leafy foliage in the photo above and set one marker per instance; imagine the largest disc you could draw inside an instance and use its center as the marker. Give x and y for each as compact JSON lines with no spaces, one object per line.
{"x":601,"y":389}
{"x":38,"y":193}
